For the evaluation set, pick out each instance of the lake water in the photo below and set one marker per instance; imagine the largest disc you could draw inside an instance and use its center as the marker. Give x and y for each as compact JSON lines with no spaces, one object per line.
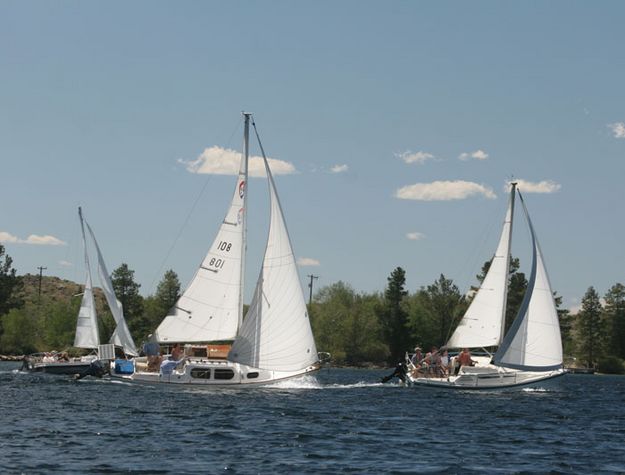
{"x":340,"y":421}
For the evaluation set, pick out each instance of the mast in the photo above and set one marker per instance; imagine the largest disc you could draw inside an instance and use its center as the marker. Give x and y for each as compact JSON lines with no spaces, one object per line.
{"x":246,"y":155}
{"x":505,"y":293}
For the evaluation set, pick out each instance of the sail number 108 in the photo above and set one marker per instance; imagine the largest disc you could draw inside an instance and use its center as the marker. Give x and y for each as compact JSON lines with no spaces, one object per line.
{"x":224,"y":246}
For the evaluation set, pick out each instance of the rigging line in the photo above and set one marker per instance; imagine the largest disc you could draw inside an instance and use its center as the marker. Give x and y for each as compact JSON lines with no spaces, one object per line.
{"x":189,"y":214}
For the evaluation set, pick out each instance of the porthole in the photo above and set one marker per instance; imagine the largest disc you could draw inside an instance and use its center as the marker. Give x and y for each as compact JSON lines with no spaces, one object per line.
{"x":200,"y":373}
{"x":252,"y":375}
{"x":221,"y":373}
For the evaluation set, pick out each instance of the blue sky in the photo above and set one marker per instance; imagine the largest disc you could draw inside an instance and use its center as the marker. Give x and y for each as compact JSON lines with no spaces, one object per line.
{"x":116,"y":106}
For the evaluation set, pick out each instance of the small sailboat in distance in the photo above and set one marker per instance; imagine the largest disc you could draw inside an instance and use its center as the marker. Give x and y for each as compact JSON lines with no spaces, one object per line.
{"x":530,"y":352}
{"x":209,"y":342}
{"x":87,"y":335}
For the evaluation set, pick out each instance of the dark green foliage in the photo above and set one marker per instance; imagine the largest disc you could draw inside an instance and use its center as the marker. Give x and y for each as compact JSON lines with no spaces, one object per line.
{"x":614,"y":320}
{"x":127,"y":292}
{"x":168,"y":290}
{"x":611,"y":365}
{"x":393,"y":316}
{"x":345,"y":324}
{"x":20,"y":332}
{"x":589,"y":327}
{"x":10,"y":284}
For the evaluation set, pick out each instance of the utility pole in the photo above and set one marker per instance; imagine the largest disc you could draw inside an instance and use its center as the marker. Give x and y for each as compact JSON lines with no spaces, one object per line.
{"x":41,"y":269}
{"x":310,"y":286}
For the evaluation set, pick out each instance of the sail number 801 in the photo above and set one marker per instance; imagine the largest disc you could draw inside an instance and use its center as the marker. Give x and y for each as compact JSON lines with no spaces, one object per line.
{"x":216,"y":263}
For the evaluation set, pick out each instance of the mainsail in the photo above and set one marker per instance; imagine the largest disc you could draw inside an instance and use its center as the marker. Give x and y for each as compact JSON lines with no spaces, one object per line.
{"x":210,"y":308}
{"x":533,"y":342}
{"x":87,"y":335}
{"x":276,"y":333}
{"x":482,"y":324}
{"x":121,"y":335}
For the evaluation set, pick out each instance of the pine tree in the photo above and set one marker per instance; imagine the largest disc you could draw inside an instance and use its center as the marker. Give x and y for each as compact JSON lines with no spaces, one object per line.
{"x":127,"y":291}
{"x":614,"y":320}
{"x":394,"y":317}
{"x":589,"y":327}
{"x":168,"y":290}
{"x":10,"y":283}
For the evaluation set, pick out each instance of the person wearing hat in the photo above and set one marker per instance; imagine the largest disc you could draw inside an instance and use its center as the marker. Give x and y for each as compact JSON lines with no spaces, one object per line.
{"x":417,"y":357}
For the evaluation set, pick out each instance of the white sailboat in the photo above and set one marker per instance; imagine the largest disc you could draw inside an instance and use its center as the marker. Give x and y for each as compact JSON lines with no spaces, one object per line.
{"x":531,"y":351}
{"x":273,"y":342}
{"x":87,"y":335}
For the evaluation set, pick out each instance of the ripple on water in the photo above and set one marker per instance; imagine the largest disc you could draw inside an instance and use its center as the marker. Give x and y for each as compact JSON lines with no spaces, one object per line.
{"x":339,"y":421}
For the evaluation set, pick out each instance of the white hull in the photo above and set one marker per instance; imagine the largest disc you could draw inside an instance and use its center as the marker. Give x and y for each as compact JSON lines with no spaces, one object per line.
{"x":203,"y":372}
{"x":486,"y":377}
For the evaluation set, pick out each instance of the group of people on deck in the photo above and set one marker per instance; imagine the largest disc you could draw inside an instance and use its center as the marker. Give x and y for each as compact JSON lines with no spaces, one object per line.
{"x":437,"y":363}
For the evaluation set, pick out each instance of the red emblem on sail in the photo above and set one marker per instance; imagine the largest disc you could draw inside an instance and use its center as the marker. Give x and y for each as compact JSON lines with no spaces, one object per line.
{"x":241,"y":189}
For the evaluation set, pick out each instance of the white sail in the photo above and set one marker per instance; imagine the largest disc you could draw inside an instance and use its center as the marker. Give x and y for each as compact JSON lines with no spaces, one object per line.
{"x":211,"y":306}
{"x":482,"y":324}
{"x":87,"y":335}
{"x":533,"y":342}
{"x":276,"y":333}
{"x":121,"y":335}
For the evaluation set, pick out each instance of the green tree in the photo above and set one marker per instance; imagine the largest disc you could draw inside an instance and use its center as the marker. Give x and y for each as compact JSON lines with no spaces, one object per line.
{"x":393,"y":316}
{"x":589,"y":327}
{"x":10,"y":283}
{"x":168,"y":290}
{"x":345,"y":324}
{"x":127,"y":291}
{"x":614,"y":320}
{"x":20,"y":332}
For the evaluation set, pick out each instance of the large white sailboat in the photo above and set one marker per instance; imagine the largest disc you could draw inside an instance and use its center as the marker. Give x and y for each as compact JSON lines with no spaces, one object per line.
{"x":273,"y":342}
{"x":531,"y":351}
{"x":87,"y":335}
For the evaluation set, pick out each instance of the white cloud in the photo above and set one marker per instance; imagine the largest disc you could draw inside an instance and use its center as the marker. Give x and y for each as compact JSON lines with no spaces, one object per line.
{"x":307,"y":262}
{"x":415,"y":236}
{"x":339,"y":168}
{"x":545,"y":186}
{"x":65,"y":264}
{"x":444,"y":191}
{"x":34,"y":239}
{"x":224,"y":161}
{"x":478,"y":155}
{"x":414,"y":157}
{"x":618,"y":129}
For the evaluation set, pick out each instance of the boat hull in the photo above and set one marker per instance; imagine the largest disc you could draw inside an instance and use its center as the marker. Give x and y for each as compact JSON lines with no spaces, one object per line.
{"x":489,"y":378}
{"x":208,"y":373}
{"x":80,"y":368}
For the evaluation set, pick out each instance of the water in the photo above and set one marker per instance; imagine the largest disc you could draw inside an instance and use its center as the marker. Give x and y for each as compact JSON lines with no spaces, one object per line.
{"x":340,"y":421}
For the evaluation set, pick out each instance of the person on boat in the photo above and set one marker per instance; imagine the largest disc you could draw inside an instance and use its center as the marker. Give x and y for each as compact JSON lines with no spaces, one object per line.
{"x":417,"y":357}
{"x":464,"y":358}
{"x":176,"y":352}
{"x":444,"y":363}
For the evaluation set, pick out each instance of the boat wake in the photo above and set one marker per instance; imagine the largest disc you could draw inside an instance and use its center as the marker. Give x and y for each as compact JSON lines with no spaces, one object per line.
{"x":536,"y":390}
{"x":311,"y":382}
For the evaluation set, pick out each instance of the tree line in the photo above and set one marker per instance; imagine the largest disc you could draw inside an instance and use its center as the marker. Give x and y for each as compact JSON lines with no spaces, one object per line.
{"x":357,"y":328}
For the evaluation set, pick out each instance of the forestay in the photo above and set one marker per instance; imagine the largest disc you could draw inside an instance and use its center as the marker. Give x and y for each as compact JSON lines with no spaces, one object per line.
{"x":87,"y":335}
{"x":121,"y":335}
{"x":210,"y":307}
{"x":481,"y":325}
{"x":533,"y":342}
{"x":276,"y":333}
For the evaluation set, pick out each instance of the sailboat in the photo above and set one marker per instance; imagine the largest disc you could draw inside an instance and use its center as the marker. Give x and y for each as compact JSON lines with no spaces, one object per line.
{"x":531,"y":351}
{"x":87,"y":335}
{"x":274,"y":342}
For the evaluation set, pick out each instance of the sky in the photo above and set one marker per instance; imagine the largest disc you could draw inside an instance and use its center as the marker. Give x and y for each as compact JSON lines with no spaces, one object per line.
{"x":393,"y":129}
